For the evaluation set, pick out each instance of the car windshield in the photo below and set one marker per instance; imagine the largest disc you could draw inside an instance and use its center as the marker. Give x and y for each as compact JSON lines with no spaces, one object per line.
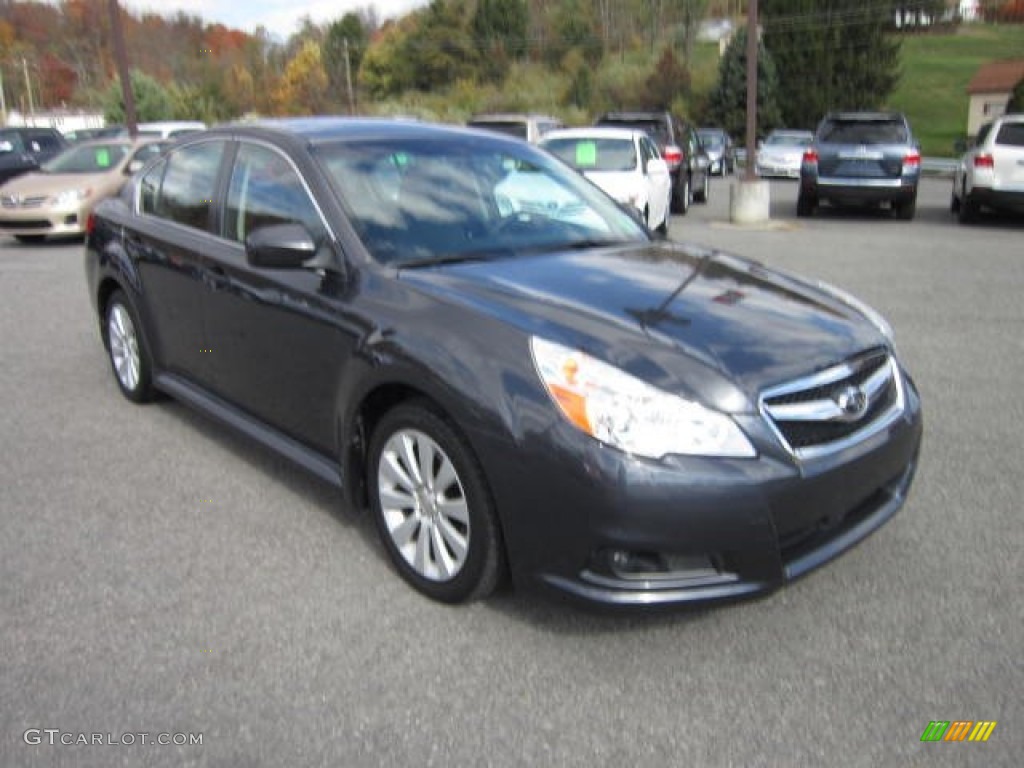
{"x":594,"y":154}
{"x":418,"y":201}
{"x":864,"y":132}
{"x":92,"y":158}
{"x":11,"y":142}
{"x":712,"y":140}
{"x":788,"y":140}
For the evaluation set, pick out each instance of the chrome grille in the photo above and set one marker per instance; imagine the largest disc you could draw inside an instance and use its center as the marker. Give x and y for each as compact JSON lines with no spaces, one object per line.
{"x":830,"y":410}
{"x":17,"y":201}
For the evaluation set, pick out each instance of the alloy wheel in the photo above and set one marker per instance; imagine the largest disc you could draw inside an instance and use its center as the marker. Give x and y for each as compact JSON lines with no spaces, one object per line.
{"x":423,"y":505}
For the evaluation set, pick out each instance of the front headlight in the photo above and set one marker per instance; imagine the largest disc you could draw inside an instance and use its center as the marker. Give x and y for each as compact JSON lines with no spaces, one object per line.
{"x":70,"y":196}
{"x":624,"y":412}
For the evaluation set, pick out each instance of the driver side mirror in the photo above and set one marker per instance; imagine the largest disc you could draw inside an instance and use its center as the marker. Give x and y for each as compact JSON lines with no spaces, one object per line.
{"x":280,"y":246}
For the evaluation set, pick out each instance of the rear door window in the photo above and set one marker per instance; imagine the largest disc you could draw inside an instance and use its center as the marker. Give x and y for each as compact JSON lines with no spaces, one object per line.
{"x":1011,"y":135}
{"x":182,"y":187}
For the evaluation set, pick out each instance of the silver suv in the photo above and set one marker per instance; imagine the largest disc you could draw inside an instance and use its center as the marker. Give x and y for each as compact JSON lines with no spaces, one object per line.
{"x":523,"y":126}
{"x":991,"y":173}
{"x":861,"y":158}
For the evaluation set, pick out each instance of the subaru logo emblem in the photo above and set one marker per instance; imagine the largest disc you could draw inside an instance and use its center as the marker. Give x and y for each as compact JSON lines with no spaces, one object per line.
{"x":852,"y":402}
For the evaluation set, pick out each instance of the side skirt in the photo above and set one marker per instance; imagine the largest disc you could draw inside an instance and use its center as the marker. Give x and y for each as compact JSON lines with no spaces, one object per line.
{"x":224,"y":412}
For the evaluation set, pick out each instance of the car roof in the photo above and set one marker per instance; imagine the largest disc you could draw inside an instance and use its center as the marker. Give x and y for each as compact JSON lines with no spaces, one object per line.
{"x":865,"y":116}
{"x":596,"y":131}
{"x":511,"y":117}
{"x":323,"y":130}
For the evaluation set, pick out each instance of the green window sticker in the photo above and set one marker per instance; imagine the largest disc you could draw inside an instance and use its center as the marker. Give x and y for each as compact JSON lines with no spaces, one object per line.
{"x":586,"y":154}
{"x":103,"y":158}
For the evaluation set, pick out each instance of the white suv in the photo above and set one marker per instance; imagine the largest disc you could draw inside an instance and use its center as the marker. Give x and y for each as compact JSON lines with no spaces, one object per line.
{"x":991,"y":173}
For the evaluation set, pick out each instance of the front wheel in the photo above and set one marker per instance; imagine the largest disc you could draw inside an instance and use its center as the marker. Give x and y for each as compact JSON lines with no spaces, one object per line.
{"x":683,"y":195}
{"x":702,"y":195}
{"x":432,"y":506}
{"x":129,"y":358}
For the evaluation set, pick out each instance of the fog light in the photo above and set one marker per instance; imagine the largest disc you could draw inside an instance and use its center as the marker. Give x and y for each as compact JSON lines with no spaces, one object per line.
{"x":72,"y":219}
{"x":653,"y":566}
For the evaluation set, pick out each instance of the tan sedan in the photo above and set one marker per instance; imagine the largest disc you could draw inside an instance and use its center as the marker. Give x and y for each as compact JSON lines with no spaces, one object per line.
{"x":58,"y":198}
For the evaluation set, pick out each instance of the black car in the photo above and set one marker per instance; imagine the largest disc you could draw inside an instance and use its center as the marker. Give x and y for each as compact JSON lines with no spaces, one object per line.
{"x":475,"y":342}
{"x":861,"y":158}
{"x":681,"y":147}
{"x":25,"y":149}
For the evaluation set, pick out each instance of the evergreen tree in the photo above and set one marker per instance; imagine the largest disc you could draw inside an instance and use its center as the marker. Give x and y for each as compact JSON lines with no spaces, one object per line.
{"x":499,"y":27}
{"x":830,"y":55}
{"x":727,"y":105}
{"x":1016,"y":103}
{"x":152,"y":100}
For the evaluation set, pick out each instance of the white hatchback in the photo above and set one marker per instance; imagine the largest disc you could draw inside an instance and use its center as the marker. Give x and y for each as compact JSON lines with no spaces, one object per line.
{"x":625,"y":163}
{"x":991,"y":173}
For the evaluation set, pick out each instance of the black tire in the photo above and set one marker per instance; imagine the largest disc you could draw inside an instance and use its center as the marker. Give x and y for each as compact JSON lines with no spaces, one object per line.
{"x":906,"y":209}
{"x":701,"y":196}
{"x":805,"y":205}
{"x":682,"y":196}
{"x":30,"y":239}
{"x":127,"y":350}
{"x":954,"y":202}
{"x":421,"y":538}
{"x":968,"y":213}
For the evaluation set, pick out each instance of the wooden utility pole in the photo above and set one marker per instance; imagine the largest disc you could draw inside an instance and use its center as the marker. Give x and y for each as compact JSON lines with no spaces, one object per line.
{"x":121,"y":57}
{"x":752,"y":46}
{"x":28,"y":86}
{"x":348,"y":81}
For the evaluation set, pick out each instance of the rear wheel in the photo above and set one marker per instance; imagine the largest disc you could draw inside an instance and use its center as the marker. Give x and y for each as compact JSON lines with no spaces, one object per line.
{"x":129,"y":358}
{"x":805,"y":205}
{"x":954,"y":202}
{"x":683,"y":195}
{"x":432,"y":506}
{"x":905,"y":210}
{"x":969,"y":209}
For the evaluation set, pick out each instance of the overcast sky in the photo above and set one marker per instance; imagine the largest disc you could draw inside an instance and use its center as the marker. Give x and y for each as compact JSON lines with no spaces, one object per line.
{"x":280,"y":17}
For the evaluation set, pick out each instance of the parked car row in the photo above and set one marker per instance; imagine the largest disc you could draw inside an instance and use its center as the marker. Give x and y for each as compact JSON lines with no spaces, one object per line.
{"x":49,"y":185}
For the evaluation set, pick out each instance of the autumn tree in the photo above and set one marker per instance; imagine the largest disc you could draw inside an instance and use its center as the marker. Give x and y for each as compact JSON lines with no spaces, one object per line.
{"x":669,"y":80}
{"x":303,"y":89}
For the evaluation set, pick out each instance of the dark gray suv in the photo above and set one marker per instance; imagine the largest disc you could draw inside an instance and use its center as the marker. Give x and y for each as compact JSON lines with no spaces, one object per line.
{"x":861,"y":158}
{"x":25,"y":149}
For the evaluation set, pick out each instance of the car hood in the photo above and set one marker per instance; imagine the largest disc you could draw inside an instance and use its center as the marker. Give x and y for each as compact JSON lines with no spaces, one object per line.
{"x":684,"y":318}
{"x":36,"y":184}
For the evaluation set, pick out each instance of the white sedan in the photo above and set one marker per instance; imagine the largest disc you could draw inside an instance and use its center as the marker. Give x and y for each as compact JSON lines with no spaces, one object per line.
{"x":625,"y":163}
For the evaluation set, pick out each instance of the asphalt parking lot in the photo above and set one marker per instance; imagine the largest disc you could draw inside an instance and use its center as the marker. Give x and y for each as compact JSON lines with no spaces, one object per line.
{"x":159,"y":575}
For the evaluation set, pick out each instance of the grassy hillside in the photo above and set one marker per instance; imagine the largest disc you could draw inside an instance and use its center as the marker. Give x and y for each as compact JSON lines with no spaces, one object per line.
{"x":936,"y":69}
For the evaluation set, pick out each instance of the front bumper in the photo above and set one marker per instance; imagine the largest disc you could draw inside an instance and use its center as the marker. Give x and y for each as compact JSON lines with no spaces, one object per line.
{"x":768,"y":168}
{"x":691,"y":530}
{"x":48,"y":220}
